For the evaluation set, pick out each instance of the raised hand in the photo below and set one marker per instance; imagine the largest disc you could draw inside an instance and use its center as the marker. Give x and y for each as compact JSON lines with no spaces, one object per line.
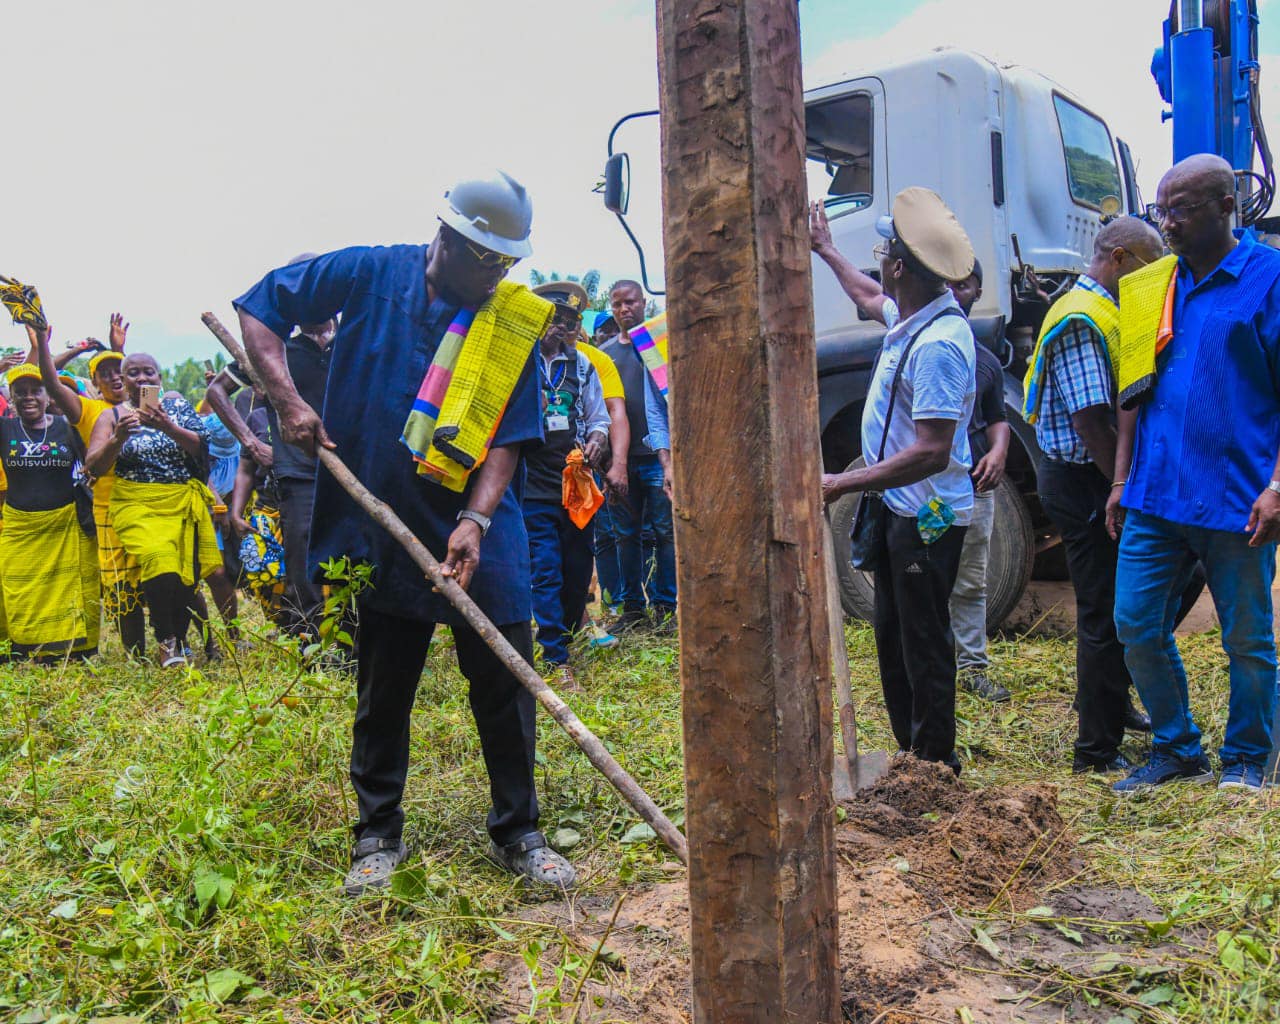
{"x":819,"y":228}
{"x":119,"y":330}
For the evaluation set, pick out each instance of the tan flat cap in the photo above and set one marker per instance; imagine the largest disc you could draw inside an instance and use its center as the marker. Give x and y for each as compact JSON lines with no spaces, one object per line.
{"x":928,"y":228}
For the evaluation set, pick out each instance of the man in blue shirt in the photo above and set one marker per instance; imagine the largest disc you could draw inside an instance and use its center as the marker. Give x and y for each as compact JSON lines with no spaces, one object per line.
{"x":1198,"y":476}
{"x":915,"y":454}
{"x":396,"y":303}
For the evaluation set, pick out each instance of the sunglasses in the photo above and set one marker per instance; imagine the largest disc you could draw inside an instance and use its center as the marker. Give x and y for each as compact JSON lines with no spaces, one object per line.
{"x":488,"y":258}
{"x":1158,"y":213}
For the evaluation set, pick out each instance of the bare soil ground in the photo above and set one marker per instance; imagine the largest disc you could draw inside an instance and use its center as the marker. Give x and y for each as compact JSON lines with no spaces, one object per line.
{"x":918,"y":853}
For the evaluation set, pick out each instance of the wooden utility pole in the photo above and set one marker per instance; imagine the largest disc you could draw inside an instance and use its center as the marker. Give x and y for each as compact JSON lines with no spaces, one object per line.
{"x":755,"y":659}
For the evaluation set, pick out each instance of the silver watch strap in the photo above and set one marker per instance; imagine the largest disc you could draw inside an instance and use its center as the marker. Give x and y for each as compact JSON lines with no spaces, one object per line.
{"x":479,"y":518}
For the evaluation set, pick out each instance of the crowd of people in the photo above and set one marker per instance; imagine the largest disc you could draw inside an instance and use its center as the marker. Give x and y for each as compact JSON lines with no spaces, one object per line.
{"x":524,"y":438}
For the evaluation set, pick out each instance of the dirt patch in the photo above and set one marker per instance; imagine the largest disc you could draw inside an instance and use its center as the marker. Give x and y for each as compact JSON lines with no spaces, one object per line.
{"x":956,"y":846}
{"x":916,"y":853}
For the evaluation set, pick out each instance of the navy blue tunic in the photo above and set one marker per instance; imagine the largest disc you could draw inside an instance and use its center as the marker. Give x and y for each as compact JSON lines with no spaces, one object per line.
{"x":388,"y":335}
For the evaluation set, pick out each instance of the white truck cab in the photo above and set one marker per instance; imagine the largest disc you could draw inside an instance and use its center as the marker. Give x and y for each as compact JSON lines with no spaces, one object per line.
{"x":1011,"y":152}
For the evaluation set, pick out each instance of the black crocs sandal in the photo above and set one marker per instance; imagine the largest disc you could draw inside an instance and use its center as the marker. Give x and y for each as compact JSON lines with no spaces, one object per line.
{"x":372,"y":861}
{"x":531,"y":858}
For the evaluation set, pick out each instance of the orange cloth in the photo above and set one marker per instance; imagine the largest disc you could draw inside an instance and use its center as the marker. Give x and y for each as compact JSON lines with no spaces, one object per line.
{"x":579,"y":493}
{"x":1164,"y":333}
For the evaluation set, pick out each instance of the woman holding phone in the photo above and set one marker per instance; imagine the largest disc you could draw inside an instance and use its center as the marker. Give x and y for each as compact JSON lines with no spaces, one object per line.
{"x":158,"y":448}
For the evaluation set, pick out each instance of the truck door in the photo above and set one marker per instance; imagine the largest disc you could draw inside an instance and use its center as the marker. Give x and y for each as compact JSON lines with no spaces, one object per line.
{"x":847,"y":170}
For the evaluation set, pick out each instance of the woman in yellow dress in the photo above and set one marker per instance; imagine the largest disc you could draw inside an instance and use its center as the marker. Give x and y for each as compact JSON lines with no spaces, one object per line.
{"x":49,"y":577}
{"x":159,"y":503}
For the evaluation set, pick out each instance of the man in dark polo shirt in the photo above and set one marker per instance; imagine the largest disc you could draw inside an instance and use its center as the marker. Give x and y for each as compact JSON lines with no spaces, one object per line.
{"x":396,"y":305}
{"x":646,"y":504}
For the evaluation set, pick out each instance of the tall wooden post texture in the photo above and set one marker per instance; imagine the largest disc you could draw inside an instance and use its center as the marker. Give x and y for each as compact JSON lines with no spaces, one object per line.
{"x":755,"y":661}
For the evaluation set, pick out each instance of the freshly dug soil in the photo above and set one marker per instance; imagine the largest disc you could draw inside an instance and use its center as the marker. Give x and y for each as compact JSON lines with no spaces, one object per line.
{"x":914,"y":853}
{"x":957,"y":846}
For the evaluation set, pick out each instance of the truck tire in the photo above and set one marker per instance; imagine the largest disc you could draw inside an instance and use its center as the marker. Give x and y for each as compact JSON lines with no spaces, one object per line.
{"x":1008,"y":565}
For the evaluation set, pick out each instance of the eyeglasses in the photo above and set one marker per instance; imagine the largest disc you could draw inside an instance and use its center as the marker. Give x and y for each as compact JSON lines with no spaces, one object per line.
{"x":489,"y":258}
{"x":1158,"y":213}
{"x":1130,"y":252}
{"x":881,"y":251}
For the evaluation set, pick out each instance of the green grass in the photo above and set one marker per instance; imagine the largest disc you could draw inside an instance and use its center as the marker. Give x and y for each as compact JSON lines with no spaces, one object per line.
{"x":172,"y":847}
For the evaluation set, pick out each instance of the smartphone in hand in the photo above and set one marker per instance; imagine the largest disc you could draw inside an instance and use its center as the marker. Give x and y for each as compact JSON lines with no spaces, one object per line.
{"x":208,"y":365}
{"x":149,"y":397}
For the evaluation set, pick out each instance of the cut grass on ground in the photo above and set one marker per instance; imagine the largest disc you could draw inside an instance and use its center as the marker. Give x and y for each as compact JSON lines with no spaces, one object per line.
{"x":173,"y":846}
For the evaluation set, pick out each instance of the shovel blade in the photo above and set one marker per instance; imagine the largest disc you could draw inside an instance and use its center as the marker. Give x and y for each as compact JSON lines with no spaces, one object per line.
{"x":868,"y":769}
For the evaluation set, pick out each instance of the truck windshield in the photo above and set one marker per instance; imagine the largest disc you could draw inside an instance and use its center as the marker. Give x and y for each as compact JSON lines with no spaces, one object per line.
{"x":1091,"y":164}
{"x":838,"y":147}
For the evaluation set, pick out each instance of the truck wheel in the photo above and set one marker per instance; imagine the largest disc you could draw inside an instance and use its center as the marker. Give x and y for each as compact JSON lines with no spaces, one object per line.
{"x":1012,"y":555}
{"x":857,"y":592}
{"x":1008,"y":565}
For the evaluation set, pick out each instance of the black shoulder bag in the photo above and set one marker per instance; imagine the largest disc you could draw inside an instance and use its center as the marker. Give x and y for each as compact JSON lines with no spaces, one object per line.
{"x":82,"y":488}
{"x":867,"y":543}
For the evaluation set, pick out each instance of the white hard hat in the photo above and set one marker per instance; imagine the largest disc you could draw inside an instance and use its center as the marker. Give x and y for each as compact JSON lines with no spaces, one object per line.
{"x":494,"y":212}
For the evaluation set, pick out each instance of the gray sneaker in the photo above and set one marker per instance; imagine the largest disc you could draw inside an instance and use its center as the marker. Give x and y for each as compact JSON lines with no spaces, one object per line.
{"x":372,"y":861}
{"x":980,"y":685}
{"x":531,"y":858}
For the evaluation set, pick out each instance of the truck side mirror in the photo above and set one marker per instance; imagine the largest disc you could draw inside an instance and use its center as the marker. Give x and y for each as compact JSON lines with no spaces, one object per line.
{"x":617,"y":183}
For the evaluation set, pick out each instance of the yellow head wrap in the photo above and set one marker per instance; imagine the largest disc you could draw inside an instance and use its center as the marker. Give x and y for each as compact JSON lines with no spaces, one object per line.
{"x":23,"y":370}
{"x":100,"y":358}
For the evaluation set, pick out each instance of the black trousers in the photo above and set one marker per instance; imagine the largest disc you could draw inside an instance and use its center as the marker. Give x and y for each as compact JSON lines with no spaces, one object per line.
{"x":303,"y":600}
{"x":392,"y":652}
{"x":913,"y":638}
{"x":1075,"y":497}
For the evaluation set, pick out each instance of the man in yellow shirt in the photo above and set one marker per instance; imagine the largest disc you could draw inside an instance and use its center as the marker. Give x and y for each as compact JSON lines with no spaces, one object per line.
{"x":121,"y":575}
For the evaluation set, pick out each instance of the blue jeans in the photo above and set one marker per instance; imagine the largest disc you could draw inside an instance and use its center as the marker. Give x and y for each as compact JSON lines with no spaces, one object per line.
{"x":1157,"y":558}
{"x":606,"y":552}
{"x":646,"y":506}
{"x":560,"y":564}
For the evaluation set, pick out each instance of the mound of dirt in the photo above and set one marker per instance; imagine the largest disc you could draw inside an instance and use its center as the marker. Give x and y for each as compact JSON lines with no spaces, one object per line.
{"x":915,"y":852}
{"x":959,"y":847}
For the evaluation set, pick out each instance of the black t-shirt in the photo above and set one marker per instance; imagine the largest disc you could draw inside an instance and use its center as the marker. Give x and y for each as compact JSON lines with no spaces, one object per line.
{"x":309,"y":367}
{"x":988,"y":400}
{"x":631,"y":370}
{"x":544,"y":463}
{"x":39,"y":463}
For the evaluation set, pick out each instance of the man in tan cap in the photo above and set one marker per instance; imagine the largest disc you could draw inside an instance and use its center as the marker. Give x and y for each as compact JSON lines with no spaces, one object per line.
{"x":922,"y":387}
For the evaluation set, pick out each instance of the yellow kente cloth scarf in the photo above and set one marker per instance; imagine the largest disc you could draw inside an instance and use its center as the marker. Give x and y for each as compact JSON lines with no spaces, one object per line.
{"x":1079,"y":303}
{"x":166,"y":527}
{"x":1146,"y":326}
{"x":470,"y":381}
{"x":50,"y":579}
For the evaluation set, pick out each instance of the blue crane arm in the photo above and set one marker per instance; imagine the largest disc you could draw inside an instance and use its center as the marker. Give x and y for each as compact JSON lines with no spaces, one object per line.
{"x":1207,"y":71}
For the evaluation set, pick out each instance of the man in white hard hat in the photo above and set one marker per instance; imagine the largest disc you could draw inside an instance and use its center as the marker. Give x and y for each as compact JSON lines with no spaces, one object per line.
{"x":922,"y":388}
{"x":444,"y":461}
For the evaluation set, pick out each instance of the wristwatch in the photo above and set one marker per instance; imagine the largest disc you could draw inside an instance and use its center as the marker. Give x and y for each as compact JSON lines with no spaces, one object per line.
{"x":479,"y":518}
{"x":1274,"y":486}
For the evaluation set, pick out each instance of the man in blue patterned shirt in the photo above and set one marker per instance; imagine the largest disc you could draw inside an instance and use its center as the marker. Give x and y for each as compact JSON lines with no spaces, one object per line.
{"x":1075,"y":428}
{"x":1199,"y":475}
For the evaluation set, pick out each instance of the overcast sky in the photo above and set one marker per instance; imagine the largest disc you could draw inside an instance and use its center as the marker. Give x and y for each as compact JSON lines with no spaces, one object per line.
{"x":161,"y":157}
